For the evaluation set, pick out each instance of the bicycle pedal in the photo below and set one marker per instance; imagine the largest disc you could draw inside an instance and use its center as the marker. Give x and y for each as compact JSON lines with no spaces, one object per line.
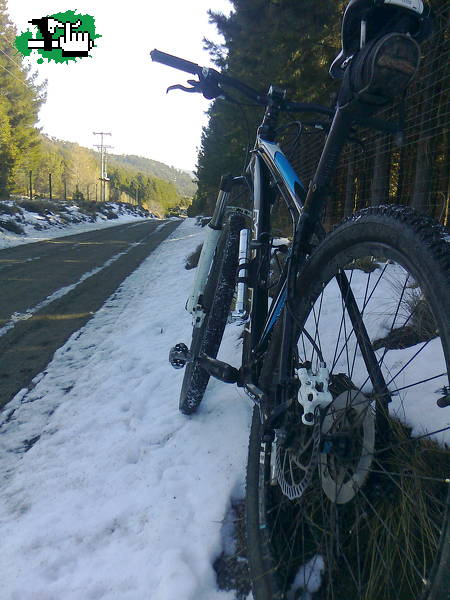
{"x":219,"y":369}
{"x":444,"y":401}
{"x":179,"y":355}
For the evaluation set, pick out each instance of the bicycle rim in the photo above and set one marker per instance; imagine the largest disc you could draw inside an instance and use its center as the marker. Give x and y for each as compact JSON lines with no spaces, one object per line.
{"x":373,"y":522}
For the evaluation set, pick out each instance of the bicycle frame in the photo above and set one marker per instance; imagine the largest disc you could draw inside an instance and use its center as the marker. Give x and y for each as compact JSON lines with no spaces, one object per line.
{"x":361,"y":96}
{"x":272,"y":173}
{"x":270,"y":166}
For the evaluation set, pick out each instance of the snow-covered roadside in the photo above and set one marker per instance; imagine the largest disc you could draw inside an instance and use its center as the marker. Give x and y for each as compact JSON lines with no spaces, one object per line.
{"x":121,"y":496}
{"x":52,"y":226}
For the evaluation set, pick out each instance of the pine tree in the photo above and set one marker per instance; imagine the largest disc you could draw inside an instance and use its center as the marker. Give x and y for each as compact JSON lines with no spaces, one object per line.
{"x":20,"y":101}
{"x":280,"y":42}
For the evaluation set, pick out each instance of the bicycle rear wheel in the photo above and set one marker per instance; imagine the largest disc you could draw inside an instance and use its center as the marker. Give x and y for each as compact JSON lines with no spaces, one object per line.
{"x":217,"y":300}
{"x":371,"y":521}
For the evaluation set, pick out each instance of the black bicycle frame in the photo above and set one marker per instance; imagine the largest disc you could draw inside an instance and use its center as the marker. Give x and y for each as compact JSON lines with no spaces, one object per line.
{"x":272,"y":173}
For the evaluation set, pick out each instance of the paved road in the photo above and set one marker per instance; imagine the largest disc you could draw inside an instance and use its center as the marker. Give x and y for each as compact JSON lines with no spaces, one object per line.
{"x":50,"y":289}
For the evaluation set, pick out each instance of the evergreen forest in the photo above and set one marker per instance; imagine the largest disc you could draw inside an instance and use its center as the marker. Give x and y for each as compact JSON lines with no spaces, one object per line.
{"x":291,"y":44}
{"x":288,"y":43}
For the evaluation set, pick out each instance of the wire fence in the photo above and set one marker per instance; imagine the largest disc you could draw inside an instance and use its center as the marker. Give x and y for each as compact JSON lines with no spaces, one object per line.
{"x":45,"y":186}
{"x":377,"y":171}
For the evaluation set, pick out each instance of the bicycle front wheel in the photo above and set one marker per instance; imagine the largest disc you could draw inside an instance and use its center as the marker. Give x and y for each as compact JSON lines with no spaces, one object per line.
{"x":356,"y":505}
{"x":217,"y":301}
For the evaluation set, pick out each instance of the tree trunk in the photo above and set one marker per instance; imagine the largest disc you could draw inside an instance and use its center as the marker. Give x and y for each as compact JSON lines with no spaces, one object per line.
{"x":422,"y":178}
{"x":350,"y":183}
{"x":379,"y":189}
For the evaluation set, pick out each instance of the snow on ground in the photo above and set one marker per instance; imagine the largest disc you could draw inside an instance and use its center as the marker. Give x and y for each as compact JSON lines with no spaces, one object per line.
{"x":400,"y":367}
{"x":39,"y":227}
{"x":107,"y":490}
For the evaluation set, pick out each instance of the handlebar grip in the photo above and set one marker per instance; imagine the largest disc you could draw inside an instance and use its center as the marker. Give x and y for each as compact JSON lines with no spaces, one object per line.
{"x":175,"y":62}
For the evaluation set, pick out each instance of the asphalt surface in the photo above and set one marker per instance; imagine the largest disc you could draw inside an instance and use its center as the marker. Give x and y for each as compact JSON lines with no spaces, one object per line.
{"x":50,"y":289}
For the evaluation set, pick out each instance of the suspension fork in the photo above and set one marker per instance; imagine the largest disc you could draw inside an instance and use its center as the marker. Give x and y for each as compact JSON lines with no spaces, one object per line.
{"x":194,"y":303}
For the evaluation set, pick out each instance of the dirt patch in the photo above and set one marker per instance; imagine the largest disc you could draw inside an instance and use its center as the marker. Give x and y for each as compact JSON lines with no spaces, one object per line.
{"x":231,"y":566}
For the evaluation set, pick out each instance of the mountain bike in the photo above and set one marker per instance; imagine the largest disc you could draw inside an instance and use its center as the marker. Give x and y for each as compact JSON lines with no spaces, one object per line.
{"x":346,"y":358}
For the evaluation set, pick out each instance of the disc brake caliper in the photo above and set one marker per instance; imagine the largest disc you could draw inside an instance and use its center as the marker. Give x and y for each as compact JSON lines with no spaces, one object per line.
{"x":313,"y":391}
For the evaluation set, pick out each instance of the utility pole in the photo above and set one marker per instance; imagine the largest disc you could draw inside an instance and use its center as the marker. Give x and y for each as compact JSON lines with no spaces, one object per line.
{"x":102,"y":148}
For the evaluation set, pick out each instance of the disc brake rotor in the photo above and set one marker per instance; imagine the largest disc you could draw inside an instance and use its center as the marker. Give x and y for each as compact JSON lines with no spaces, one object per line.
{"x":350,"y":418}
{"x":296,"y":458}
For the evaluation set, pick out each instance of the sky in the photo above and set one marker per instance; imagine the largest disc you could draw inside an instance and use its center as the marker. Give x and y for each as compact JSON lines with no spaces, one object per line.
{"x":119,"y":89}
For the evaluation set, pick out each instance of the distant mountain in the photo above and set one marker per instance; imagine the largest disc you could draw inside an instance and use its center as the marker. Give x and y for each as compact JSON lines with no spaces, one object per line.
{"x":75,"y":174}
{"x":182,"y":180}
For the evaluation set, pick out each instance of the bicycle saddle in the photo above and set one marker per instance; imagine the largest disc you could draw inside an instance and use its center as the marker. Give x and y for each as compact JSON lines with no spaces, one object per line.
{"x":381,"y":16}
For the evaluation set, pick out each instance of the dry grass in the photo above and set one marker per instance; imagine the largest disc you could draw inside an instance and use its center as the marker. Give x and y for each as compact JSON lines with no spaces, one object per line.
{"x":403,"y":536}
{"x":7,"y":209}
{"x":12,"y":226}
{"x":232,"y":568}
{"x":40,"y":207}
{"x":368,"y":264}
{"x":416,"y":321}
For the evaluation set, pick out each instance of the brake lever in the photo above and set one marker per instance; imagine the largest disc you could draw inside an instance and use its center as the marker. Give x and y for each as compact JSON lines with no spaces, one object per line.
{"x":195,"y":87}
{"x":205,"y":85}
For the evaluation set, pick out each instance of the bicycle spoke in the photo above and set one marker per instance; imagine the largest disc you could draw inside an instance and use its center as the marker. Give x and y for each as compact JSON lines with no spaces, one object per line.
{"x":345,"y":334}
{"x":409,"y":362}
{"x":333,"y":362}
{"x":363,"y":308}
{"x":316,"y":320}
{"x":419,"y":382}
{"x":414,"y":440}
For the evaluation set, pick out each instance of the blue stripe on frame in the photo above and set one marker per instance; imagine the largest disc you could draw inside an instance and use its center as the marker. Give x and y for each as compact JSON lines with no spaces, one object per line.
{"x":276,"y":314}
{"x":289,"y":175}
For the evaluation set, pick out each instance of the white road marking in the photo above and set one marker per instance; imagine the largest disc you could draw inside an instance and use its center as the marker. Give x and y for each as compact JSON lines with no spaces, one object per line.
{"x":24,"y":316}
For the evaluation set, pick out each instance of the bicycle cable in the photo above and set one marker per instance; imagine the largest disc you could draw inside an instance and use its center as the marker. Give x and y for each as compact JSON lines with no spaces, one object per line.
{"x":303,"y":330}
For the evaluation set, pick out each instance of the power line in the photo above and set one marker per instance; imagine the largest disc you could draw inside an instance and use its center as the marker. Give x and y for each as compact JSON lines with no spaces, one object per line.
{"x":16,"y":78}
{"x":11,"y":58}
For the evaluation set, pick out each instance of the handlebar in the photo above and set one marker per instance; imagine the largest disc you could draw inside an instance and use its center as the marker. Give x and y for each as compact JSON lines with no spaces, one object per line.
{"x":307,"y":107}
{"x":210,"y":82}
{"x":177,"y":63}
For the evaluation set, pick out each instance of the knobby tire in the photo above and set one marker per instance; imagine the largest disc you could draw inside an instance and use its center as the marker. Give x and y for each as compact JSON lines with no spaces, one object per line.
{"x":362,"y":530}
